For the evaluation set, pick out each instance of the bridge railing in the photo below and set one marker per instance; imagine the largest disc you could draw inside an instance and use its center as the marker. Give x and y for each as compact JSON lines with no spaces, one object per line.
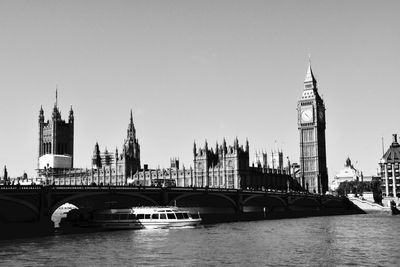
{"x":152,"y":188}
{"x":20,"y":187}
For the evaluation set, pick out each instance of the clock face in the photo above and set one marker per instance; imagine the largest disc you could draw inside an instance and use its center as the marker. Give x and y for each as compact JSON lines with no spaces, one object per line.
{"x":307,"y":115}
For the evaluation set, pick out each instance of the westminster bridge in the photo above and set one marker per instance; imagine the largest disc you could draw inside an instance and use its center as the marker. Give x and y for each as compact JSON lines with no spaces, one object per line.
{"x":34,"y":205}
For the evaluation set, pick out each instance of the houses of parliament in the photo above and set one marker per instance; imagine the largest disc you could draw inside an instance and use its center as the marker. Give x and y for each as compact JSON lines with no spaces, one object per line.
{"x":222,"y":166}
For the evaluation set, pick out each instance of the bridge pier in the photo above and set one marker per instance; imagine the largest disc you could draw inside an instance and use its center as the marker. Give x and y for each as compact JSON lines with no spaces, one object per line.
{"x":164,"y":196}
{"x":239,"y":203}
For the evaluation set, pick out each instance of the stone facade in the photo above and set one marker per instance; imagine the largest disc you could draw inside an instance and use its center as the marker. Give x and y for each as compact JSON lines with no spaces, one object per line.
{"x":226,"y":167}
{"x":222,"y":167}
{"x":172,"y":176}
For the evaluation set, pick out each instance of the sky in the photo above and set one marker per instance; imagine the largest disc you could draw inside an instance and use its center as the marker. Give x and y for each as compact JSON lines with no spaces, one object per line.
{"x":198,"y":70}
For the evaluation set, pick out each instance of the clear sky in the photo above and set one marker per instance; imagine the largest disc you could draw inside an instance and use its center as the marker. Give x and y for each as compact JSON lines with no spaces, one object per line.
{"x":196,"y":70}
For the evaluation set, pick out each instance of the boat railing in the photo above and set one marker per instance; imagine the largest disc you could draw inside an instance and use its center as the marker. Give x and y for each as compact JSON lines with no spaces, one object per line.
{"x":157,"y":207}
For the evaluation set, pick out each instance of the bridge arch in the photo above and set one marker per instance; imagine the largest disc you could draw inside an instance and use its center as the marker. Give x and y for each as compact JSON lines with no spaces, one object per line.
{"x":265,"y":198}
{"x":191,"y":195}
{"x":89,"y":195}
{"x":31,"y":207}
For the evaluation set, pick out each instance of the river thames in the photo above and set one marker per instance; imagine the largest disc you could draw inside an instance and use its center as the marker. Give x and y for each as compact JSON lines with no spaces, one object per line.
{"x":353,"y":240}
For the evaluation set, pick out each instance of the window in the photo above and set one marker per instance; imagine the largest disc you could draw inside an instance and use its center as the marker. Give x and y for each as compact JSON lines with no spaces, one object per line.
{"x":179,"y":216}
{"x":163,"y":216}
{"x":185,"y":215}
{"x":154,"y":216}
{"x":132,"y":216}
{"x":140,"y":216}
{"x":171,"y":216}
{"x":147,"y":216}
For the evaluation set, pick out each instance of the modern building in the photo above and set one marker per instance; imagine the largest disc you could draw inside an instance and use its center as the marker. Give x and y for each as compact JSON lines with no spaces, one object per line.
{"x":389,"y":167}
{"x":348,"y":173}
{"x":311,"y":125}
{"x":56,"y":142}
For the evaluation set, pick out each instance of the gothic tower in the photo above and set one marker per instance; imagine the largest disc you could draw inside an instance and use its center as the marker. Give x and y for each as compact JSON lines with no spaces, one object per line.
{"x":311,"y":125}
{"x":131,"y":150}
{"x":56,"y":140}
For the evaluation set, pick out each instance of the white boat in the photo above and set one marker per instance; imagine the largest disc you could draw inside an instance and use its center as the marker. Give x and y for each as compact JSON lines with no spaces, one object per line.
{"x":132,"y":218}
{"x":161,"y":217}
{"x":116,"y":219}
{"x":144,"y":217}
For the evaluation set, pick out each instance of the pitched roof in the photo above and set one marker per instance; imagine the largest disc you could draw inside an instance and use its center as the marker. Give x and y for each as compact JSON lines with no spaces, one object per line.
{"x":393,"y":153}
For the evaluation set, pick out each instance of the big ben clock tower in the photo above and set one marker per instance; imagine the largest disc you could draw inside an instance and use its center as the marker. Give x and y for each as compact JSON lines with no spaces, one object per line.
{"x":311,"y":125}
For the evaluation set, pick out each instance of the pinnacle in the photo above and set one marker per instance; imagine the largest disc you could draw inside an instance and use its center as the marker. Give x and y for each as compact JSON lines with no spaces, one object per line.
{"x":310,"y":76}
{"x":131,"y":117}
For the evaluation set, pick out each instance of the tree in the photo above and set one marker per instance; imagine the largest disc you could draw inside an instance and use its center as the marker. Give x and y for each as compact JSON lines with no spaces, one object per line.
{"x":376,"y":189}
{"x":354,"y":187}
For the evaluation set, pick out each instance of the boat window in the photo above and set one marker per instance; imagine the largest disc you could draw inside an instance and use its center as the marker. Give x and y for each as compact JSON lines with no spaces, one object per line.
{"x":147,"y":216}
{"x":186,"y":216}
{"x":132,"y":216}
{"x":168,"y":210}
{"x":154,"y":216}
{"x":171,"y":216}
{"x":163,"y":216}
{"x":140,"y":216}
{"x":115,"y":217}
{"x":179,"y":216}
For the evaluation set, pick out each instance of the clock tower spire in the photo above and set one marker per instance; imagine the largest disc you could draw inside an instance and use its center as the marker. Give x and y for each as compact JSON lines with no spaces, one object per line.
{"x":311,"y":125}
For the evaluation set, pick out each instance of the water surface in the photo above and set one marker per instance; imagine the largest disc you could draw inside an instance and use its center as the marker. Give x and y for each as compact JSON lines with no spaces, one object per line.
{"x":354,"y":240}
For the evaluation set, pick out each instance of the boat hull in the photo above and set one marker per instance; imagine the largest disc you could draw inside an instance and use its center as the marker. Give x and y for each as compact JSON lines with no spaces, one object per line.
{"x":167,"y":224}
{"x":120,"y":225}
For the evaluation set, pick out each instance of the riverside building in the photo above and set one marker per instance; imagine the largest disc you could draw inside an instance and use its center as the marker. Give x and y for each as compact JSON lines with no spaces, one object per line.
{"x":389,"y":168}
{"x":348,"y":173}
